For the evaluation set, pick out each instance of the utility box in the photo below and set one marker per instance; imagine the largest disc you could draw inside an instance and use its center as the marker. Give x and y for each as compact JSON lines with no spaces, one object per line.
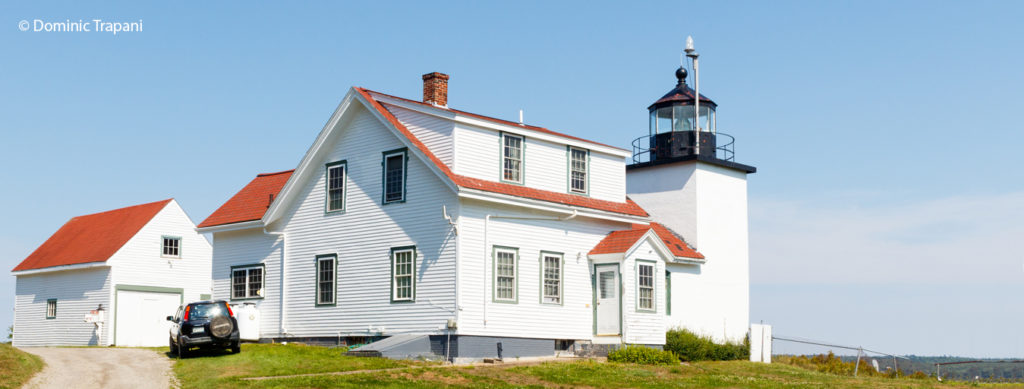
{"x":761,"y":343}
{"x":248,"y":317}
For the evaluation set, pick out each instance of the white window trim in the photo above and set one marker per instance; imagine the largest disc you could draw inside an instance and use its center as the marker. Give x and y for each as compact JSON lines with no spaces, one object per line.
{"x":586,"y":171}
{"x":163,"y":246}
{"x":653,"y":287}
{"x":343,"y":165}
{"x":522,"y":158}
{"x":515,"y":275}
{"x":334,"y":279}
{"x":411,"y":275}
{"x":543,"y":281}
{"x":248,"y":282}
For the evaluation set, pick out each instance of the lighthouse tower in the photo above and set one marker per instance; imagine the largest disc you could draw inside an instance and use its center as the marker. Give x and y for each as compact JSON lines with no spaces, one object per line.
{"x":685,"y":175}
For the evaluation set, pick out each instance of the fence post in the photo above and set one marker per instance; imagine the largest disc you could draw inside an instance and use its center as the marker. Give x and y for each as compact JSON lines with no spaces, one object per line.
{"x":857,"y":366}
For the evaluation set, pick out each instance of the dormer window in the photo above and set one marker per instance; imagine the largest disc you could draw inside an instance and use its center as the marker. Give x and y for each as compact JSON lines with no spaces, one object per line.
{"x":512,"y":158}
{"x":578,"y":165}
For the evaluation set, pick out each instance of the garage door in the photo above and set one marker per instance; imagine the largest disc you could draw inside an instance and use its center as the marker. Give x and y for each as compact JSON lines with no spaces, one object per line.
{"x":142,"y":317}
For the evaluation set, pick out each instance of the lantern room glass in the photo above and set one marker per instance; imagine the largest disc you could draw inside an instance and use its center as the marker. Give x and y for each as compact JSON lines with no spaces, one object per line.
{"x":680,"y":118}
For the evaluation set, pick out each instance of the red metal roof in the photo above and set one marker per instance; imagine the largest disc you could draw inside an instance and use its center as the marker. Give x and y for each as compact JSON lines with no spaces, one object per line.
{"x":628,"y":207}
{"x":91,"y":238}
{"x":620,"y":241}
{"x":251,"y":202}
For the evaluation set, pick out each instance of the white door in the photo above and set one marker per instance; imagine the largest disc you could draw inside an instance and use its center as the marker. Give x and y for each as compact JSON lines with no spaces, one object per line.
{"x":608,"y":322}
{"x":142,"y":318}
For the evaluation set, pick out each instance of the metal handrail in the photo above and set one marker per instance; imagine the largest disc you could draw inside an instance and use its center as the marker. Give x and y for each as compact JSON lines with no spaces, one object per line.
{"x":726,"y":152}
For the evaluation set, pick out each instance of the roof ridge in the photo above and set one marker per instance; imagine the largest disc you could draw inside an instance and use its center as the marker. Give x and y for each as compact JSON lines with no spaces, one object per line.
{"x":274,"y":173}
{"x":494,"y":119}
{"x":124,"y":208}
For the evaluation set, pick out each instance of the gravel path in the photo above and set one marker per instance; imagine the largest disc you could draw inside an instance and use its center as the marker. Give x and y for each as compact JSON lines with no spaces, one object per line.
{"x":95,"y":367}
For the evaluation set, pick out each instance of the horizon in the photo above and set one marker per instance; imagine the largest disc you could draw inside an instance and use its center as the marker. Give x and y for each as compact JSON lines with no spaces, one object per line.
{"x":883,"y":213}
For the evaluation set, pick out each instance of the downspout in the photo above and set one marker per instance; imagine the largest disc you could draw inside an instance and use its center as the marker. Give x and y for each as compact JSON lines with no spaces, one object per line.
{"x":487,"y":245}
{"x":458,"y":298}
{"x":281,"y":293}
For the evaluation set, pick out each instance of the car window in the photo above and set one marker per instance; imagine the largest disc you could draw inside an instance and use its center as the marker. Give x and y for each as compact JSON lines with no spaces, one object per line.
{"x":207,"y":310}
{"x":177,"y":314}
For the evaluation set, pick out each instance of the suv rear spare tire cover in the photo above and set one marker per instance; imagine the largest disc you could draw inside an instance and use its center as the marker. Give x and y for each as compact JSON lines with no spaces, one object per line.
{"x":220,"y":326}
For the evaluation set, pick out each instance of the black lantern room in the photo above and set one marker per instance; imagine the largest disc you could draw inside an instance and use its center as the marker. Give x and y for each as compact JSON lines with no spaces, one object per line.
{"x":674,"y":123}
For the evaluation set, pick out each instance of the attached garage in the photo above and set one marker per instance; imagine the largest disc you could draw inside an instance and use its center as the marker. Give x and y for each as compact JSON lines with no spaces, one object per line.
{"x":141,"y":313}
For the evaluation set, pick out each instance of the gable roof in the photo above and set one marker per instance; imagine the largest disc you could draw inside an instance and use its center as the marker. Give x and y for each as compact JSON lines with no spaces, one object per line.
{"x":91,"y":238}
{"x":619,"y":242}
{"x":251,"y":202}
{"x":628,"y":207}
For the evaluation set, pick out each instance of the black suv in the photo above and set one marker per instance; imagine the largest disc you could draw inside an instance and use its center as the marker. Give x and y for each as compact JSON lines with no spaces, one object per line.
{"x":203,"y":324}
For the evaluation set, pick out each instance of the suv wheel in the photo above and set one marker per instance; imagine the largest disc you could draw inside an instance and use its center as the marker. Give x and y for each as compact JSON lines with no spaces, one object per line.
{"x":170,"y":344}
{"x":182,"y":350}
{"x":236,"y":348}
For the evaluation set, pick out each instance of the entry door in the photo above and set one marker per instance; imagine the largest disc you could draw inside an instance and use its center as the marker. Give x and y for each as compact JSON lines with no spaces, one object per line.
{"x":142,"y":317}
{"x":608,"y":322}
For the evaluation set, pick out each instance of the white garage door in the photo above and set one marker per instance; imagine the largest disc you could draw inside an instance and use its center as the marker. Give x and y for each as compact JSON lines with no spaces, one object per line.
{"x":142,"y":317}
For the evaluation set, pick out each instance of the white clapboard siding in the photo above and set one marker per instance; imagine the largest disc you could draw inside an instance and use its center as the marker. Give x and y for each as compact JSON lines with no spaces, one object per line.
{"x":140,"y":262}
{"x":362,"y":237}
{"x":528,"y":317}
{"x":478,"y":154}
{"x":77,"y":292}
{"x":643,"y":327}
{"x":250,"y":247}
{"x":434,"y":132}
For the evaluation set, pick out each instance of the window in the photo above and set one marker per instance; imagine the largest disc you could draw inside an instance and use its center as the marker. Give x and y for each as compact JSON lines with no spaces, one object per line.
{"x":336,"y":186}
{"x":403,"y":271}
{"x":326,"y":279}
{"x":551,"y":278}
{"x":512,"y":158}
{"x":51,"y":309}
{"x":578,"y":170}
{"x":505,"y":274}
{"x":394,"y":176}
{"x":668,"y":292}
{"x":645,"y":287}
{"x":171,"y":247}
{"x":247,"y":282}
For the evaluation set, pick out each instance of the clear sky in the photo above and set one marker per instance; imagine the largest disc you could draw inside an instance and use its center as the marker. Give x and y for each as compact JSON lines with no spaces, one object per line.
{"x":886,"y":207}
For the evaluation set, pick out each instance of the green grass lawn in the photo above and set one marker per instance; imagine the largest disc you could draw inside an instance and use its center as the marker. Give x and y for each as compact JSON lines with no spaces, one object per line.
{"x":16,"y":366}
{"x":208,"y":369}
{"x":226,"y":370}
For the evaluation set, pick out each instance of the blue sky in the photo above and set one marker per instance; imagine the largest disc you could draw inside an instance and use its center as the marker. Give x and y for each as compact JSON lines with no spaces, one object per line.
{"x":884,"y":212}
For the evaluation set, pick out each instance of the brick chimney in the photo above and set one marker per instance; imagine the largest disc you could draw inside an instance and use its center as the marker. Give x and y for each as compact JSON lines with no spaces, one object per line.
{"x":435,"y":89}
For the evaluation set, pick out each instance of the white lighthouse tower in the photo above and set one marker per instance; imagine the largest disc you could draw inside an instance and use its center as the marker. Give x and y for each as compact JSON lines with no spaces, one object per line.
{"x":685,"y":175}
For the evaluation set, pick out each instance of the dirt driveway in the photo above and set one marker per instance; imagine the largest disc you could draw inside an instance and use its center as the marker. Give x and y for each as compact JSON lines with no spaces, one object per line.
{"x":95,"y":367}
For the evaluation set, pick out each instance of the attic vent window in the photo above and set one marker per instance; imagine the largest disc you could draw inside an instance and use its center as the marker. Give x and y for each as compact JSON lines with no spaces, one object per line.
{"x":171,"y":247}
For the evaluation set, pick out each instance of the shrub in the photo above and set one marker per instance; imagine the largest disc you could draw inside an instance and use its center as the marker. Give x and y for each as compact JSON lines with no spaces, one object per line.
{"x":830,"y":363}
{"x":692,"y":347}
{"x":643,"y":355}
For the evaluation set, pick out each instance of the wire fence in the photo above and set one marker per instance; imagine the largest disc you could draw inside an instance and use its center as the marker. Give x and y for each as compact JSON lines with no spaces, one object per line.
{"x":861,"y":351}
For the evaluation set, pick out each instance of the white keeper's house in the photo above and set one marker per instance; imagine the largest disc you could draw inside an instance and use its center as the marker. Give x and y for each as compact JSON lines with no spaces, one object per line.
{"x":453,"y":234}
{"x":111,"y":278}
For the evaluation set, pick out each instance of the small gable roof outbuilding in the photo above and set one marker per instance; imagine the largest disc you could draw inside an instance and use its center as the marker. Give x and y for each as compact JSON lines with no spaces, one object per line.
{"x":91,"y":238}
